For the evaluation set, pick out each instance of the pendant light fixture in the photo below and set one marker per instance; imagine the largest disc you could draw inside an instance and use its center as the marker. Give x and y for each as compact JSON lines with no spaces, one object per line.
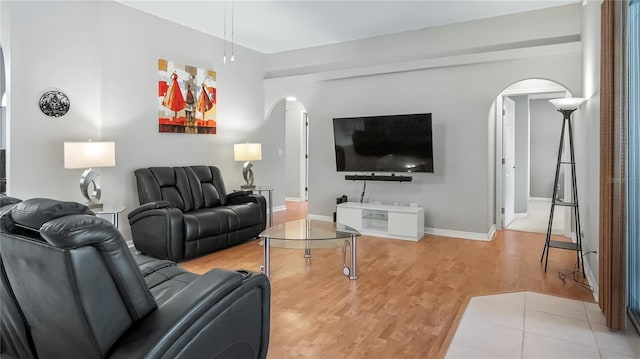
{"x":233,"y":55}
{"x":224,"y":41}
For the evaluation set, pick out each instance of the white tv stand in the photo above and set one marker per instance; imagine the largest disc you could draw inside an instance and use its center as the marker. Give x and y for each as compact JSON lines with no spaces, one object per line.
{"x":381,"y":220}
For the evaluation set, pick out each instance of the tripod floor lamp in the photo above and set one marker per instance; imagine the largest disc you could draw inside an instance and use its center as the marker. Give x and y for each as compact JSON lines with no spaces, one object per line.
{"x":566,"y":106}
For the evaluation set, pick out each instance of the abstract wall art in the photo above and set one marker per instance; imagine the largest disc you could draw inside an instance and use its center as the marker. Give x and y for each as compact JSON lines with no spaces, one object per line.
{"x":187,"y":98}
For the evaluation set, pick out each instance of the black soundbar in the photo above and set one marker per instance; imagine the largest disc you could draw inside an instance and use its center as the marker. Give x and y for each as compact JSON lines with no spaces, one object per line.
{"x":391,"y":178}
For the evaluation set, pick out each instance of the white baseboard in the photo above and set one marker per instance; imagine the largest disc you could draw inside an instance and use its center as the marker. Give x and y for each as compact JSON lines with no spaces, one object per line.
{"x":540,"y":199}
{"x":492,"y":232}
{"x":318,"y":217}
{"x":587,"y":270}
{"x":592,"y":281}
{"x":294,"y":199}
{"x":521,"y":215}
{"x":279,"y":208}
{"x":476,"y":236}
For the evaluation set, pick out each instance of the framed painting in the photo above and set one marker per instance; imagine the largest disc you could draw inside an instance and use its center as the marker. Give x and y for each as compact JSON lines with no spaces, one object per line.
{"x":187,"y":98}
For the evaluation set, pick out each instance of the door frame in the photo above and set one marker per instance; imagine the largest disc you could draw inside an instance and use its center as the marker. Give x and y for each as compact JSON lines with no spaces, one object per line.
{"x":503,"y":162}
{"x":499,"y":188}
{"x":301,"y":119}
{"x":305,"y":157}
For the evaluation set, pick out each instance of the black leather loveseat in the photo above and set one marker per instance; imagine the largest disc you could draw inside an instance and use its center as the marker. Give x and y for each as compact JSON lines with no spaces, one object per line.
{"x":186,"y":212}
{"x":72,"y":289}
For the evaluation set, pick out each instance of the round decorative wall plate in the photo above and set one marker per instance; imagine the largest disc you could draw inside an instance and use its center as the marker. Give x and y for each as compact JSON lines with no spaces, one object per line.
{"x":54,"y":103}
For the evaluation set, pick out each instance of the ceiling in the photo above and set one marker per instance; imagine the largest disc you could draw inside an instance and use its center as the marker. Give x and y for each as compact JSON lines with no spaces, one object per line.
{"x":276,"y":26}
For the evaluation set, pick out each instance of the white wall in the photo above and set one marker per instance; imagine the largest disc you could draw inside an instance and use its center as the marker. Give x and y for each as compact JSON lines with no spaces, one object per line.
{"x":51,"y":45}
{"x":587,"y":135}
{"x":5,"y":21}
{"x":105,"y":58}
{"x":3,"y":122}
{"x":459,"y":97}
{"x":274,"y":137}
{"x":545,"y":129}
{"x":294,"y":151}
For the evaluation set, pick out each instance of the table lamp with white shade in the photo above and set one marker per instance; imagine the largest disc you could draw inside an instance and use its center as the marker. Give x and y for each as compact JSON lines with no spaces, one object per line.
{"x":247,"y":152}
{"x":88,"y":155}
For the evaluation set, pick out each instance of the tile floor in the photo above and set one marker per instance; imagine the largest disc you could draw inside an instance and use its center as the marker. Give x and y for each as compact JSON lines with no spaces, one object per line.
{"x":531,"y":325}
{"x":537,"y":218}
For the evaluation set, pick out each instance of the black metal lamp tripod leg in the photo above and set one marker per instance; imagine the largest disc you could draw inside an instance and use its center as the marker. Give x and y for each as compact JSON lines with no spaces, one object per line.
{"x":545,"y":250}
{"x":576,"y":207}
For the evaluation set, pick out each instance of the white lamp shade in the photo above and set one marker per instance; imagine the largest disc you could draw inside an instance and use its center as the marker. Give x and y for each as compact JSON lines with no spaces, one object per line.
{"x":568,"y":103}
{"x":89,"y":154}
{"x":247,"y":152}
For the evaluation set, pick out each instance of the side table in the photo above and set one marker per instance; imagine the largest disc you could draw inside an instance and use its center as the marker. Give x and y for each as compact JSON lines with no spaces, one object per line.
{"x":110,"y":210}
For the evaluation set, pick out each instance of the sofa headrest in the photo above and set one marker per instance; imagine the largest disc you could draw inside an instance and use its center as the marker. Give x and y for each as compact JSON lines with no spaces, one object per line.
{"x":79,"y":230}
{"x":33,"y":213}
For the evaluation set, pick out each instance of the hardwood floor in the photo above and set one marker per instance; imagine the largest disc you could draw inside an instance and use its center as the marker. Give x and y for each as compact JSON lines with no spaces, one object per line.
{"x":407,"y":296}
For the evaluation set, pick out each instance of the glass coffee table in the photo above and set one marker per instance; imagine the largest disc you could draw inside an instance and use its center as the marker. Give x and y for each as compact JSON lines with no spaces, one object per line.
{"x":310,"y":234}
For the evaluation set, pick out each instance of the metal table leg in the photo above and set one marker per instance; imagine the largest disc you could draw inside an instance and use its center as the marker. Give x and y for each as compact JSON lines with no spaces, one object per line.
{"x":266,"y":244}
{"x":270,"y":210}
{"x":307,"y":250}
{"x":353,"y":273}
{"x":269,"y":203}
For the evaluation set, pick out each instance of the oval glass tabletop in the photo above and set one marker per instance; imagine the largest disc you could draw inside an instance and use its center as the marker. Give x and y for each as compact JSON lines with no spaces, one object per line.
{"x":309,"y":233}
{"x":109,"y":209}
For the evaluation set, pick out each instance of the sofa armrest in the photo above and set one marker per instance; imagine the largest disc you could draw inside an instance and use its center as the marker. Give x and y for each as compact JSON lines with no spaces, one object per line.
{"x":233,"y":198}
{"x":148,"y":206}
{"x":6,"y":200}
{"x":237,"y":194}
{"x":158,"y":232}
{"x":222,"y":314}
{"x":252,"y":198}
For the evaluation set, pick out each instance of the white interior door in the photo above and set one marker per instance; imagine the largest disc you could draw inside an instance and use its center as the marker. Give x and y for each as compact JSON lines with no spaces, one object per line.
{"x":305,"y":162}
{"x":508,"y":159}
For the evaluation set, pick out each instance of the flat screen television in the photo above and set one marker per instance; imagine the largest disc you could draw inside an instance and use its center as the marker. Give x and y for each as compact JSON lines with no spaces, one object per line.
{"x":396,"y":143}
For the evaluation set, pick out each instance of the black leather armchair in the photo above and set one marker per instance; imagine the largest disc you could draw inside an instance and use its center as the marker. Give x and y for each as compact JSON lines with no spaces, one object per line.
{"x":186,"y":212}
{"x":72,"y":289}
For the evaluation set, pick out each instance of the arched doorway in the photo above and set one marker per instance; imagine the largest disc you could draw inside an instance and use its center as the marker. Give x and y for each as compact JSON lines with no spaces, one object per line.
{"x":296,"y":150}
{"x":291,"y":115}
{"x":527,"y":137}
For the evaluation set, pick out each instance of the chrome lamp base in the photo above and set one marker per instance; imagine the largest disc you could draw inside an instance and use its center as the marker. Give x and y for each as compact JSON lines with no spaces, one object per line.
{"x":95,"y":206}
{"x":247,"y":174}
{"x":92,"y":196}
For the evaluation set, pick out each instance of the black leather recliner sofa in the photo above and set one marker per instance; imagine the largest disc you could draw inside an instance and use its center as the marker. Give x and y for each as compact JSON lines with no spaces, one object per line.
{"x":186,"y":212}
{"x":72,"y":289}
